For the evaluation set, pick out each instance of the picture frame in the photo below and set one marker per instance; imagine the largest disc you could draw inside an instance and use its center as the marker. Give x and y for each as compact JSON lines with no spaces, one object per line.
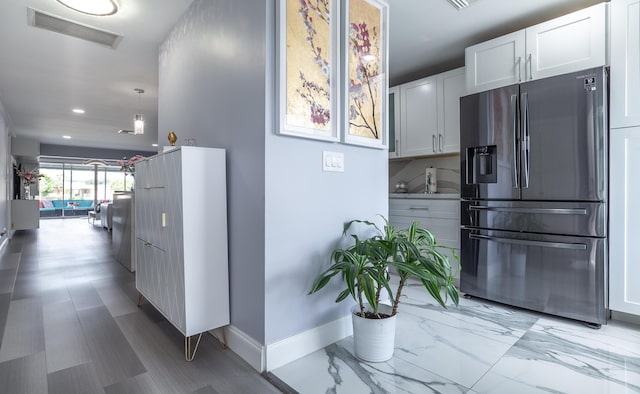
{"x":364,"y":77}
{"x":308,"y":74}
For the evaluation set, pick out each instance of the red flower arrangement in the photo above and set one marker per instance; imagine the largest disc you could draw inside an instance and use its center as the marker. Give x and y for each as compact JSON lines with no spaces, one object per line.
{"x":29,"y":177}
{"x":129,"y":165}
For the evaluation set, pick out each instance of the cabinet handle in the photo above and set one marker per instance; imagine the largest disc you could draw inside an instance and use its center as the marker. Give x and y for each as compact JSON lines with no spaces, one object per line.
{"x":419,"y":208}
{"x":440,"y":142}
{"x":530,"y":67}
{"x":397,"y":151}
{"x":519,"y":63}
{"x":433,"y":143}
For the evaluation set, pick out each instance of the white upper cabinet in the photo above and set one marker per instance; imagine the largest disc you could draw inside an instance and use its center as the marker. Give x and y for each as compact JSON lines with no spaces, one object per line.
{"x":625,"y":63}
{"x":419,"y":108}
{"x":430,"y":115}
{"x":451,"y":87}
{"x":569,"y":43}
{"x":495,"y":63}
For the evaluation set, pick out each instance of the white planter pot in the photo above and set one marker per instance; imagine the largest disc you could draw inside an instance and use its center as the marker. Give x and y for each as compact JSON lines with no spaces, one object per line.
{"x":374,"y":339}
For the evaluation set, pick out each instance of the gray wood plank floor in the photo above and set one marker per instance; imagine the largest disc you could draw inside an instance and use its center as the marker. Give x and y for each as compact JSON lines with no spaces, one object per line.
{"x":69,"y":323}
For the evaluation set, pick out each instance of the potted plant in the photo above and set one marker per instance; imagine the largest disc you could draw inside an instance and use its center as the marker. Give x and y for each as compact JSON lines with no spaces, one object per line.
{"x":364,"y":267}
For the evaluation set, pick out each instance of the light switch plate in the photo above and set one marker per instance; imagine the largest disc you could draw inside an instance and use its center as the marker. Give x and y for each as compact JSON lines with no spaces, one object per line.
{"x":332,"y":161}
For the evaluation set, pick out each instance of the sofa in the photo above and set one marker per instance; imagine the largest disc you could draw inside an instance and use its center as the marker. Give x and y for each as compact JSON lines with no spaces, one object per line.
{"x":53,"y":208}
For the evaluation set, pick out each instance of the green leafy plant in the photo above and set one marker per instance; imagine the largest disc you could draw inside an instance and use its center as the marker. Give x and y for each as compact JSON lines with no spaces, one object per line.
{"x":364,"y":267}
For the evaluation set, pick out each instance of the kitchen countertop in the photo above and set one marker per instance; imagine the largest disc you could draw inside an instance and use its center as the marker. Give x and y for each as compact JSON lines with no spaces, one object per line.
{"x":437,"y":196}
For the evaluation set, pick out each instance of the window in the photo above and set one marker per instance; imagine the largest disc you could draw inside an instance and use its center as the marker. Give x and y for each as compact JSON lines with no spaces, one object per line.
{"x":69,"y":189}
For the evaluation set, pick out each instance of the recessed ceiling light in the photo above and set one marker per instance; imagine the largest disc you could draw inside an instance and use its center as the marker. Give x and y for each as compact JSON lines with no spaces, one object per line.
{"x":155,"y":145}
{"x":66,"y":137}
{"x":92,"y":7}
{"x":78,"y":110}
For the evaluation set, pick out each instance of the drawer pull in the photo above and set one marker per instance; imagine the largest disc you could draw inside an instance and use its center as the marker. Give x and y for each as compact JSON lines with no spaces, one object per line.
{"x":419,"y":208}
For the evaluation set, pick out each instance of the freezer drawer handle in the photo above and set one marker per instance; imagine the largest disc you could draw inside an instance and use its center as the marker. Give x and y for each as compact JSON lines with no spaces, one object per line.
{"x":553,"y":211}
{"x":557,"y":245}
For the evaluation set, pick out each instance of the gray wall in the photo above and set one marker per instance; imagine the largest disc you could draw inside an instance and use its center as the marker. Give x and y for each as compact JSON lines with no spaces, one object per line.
{"x":306,"y":209}
{"x":6,"y":174}
{"x":217,"y":72}
{"x":212,"y":89}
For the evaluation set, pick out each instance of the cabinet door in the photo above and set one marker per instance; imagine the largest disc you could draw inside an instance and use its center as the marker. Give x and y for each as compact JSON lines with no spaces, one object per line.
{"x":149,"y":282}
{"x":150,"y":201}
{"x":394,"y":122}
{"x":624,"y":216}
{"x":625,"y":63}
{"x":495,"y":63}
{"x":418,"y":103}
{"x":570,"y":43}
{"x":451,"y":86}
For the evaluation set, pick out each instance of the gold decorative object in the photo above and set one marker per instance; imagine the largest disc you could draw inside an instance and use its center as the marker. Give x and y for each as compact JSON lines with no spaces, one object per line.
{"x":172,"y":137}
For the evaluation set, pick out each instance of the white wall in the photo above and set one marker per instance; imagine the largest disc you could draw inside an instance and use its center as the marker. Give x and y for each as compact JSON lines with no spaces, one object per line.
{"x":6,"y":174}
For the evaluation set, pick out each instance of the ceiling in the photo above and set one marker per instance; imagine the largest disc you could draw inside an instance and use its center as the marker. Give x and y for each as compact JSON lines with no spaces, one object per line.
{"x":43,"y":75}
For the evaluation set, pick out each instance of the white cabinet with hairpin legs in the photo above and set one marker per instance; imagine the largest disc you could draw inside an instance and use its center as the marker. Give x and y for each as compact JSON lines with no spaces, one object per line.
{"x":181,"y":239}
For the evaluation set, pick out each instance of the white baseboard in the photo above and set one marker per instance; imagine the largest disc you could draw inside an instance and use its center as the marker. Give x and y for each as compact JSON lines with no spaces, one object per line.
{"x":272,"y":356}
{"x":297,"y":346}
{"x":246,"y":347}
{"x":625,"y":317}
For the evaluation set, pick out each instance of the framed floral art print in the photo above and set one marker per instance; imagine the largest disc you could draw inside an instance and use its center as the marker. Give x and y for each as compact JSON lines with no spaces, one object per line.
{"x":365,"y":72}
{"x":308,"y":75}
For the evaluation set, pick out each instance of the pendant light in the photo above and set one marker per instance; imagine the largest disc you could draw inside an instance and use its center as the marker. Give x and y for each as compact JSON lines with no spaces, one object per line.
{"x":138,"y":120}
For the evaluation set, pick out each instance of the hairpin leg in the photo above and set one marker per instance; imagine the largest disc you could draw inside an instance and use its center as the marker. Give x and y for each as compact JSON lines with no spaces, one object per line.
{"x":223,"y":341}
{"x":188,"y":354}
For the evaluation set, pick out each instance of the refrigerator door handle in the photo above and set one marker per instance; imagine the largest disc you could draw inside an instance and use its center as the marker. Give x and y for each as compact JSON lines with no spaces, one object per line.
{"x":552,"y":211}
{"x":544,"y":244}
{"x":525,"y":146}
{"x":515,"y":178}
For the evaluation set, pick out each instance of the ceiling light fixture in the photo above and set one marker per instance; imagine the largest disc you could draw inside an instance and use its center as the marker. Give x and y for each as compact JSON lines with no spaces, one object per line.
{"x":78,"y":110}
{"x":138,"y":120}
{"x":92,"y":7}
{"x":66,"y":137}
{"x":460,"y":4}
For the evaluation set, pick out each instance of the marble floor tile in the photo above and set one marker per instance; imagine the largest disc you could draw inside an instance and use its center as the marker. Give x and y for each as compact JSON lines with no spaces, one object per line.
{"x":565,"y":356}
{"x":479,"y":347}
{"x":337,"y":370}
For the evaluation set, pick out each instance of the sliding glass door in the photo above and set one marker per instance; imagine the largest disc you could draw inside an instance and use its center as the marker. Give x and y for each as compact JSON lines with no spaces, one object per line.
{"x":68,"y":189}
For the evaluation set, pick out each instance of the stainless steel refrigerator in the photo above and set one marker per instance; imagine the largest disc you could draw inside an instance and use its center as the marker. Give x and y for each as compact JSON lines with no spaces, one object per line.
{"x":534,"y":186}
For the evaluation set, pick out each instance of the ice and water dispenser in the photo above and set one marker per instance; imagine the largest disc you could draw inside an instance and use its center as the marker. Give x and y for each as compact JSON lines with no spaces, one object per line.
{"x":482,"y":164}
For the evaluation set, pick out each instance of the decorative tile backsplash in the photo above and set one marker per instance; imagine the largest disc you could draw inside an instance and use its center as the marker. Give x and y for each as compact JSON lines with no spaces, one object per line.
{"x":412,"y":173}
